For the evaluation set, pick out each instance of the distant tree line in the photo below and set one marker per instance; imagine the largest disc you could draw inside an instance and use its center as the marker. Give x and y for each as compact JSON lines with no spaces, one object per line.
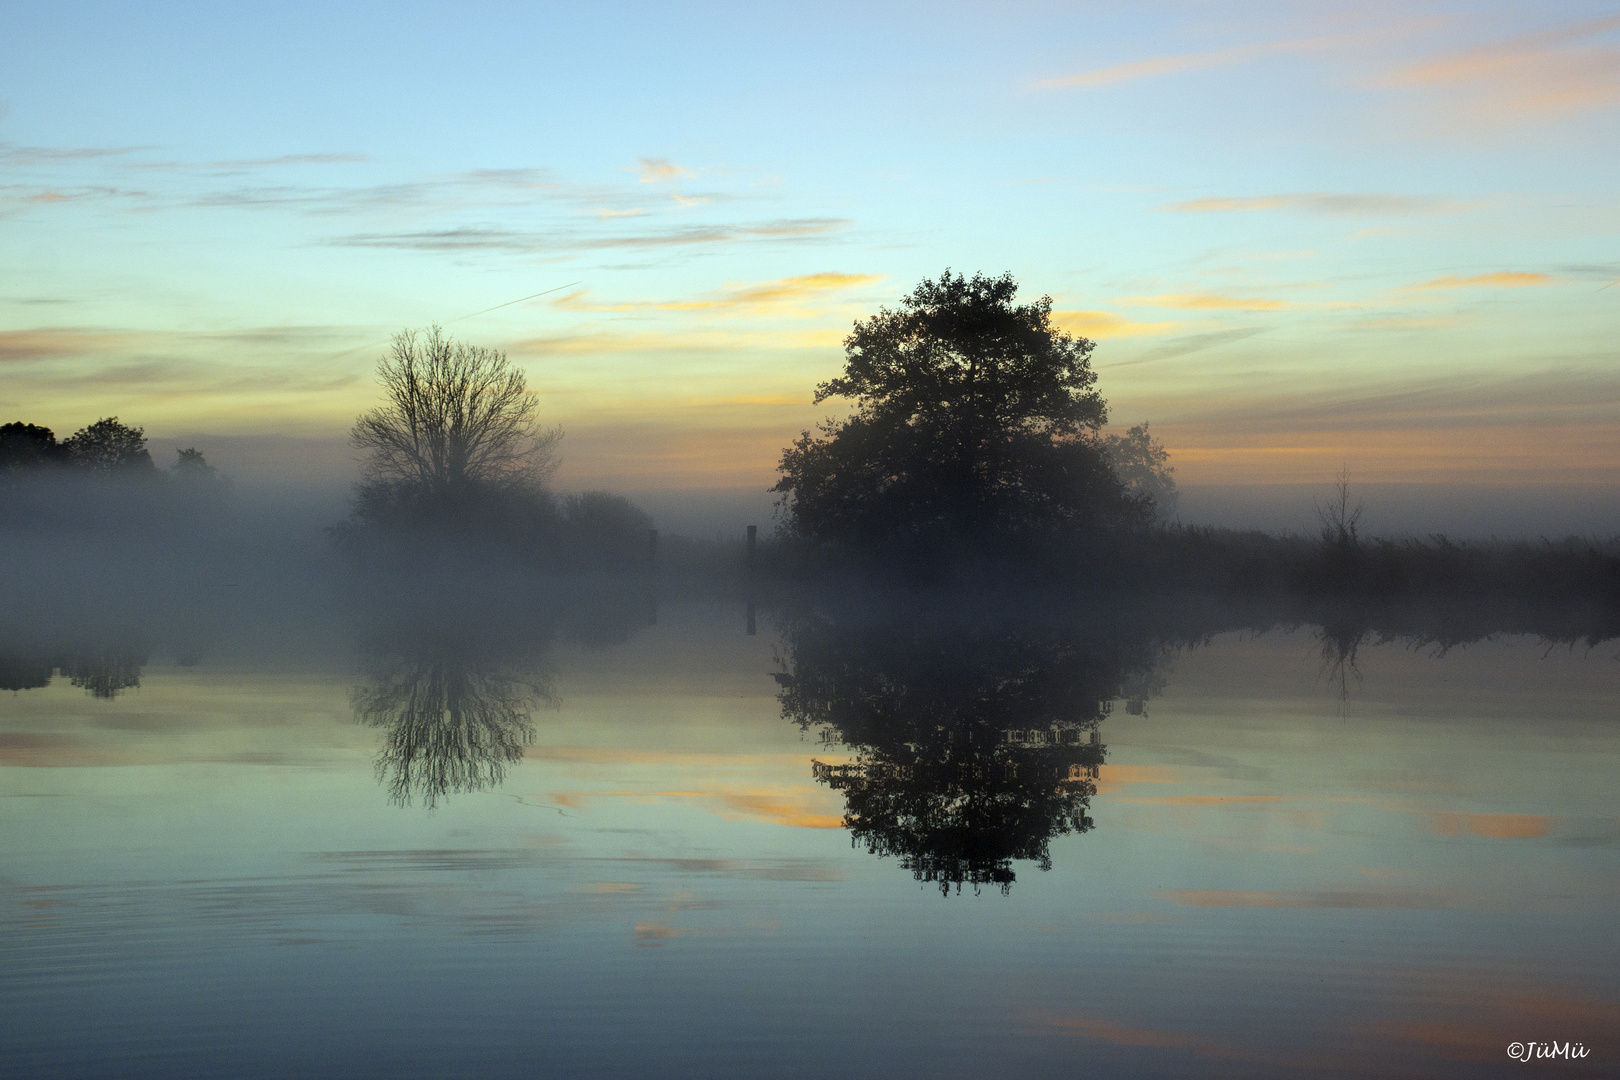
{"x":106,"y":448}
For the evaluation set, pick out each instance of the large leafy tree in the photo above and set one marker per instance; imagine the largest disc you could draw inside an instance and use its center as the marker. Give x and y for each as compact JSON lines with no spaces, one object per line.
{"x":974,"y":416}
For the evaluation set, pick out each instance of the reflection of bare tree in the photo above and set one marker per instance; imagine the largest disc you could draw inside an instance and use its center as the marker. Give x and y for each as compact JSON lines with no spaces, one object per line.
{"x":974,"y":746}
{"x":1340,"y":644}
{"x":452,"y":723}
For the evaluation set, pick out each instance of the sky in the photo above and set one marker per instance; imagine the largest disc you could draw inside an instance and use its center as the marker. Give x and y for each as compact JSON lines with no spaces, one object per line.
{"x":1305,"y":237}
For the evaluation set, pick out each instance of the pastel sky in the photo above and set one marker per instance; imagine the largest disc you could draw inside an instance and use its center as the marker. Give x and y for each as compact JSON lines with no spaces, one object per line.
{"x":1304,"y":235}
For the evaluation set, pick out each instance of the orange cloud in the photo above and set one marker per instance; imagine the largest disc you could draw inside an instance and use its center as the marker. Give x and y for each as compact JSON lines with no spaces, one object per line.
{"x":1504,"y":279}
{"x":1495,"y":826}
{"x":658,"y":171}
{"x":784,"y":295}
{"x":1105,"y":324}
{"x":1546,"y":73}
{"x":52,"y":342}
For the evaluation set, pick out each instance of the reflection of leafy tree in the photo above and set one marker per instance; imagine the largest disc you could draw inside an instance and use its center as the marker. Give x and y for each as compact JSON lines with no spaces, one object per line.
{"x":103,"y":673}
{"x":25,"y":673}
{"x":973,"y":748}
{"x":452,"y":723}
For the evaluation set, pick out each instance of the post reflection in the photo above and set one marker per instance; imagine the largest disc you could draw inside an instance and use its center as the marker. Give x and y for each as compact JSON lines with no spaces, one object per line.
{"x":974,"y":746}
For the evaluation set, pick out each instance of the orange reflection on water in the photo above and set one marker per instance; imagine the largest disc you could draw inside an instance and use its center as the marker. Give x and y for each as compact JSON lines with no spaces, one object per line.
{"x":1496,"y":826}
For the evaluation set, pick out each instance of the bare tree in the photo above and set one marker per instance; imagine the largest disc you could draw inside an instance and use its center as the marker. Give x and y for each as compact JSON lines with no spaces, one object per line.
{"x":1338,"y":517}
{"x":459,"y":420}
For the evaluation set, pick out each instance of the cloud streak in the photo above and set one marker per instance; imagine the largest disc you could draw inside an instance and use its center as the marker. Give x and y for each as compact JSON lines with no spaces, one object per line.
{"x":1504,"y":279}
{"x":1102,"y":325}
{"x":1175,"y":65}
{"x":1334,"y":204}
{"x":1547,"y":73}
{"x":478,"y":238}
{"x":659,"y":171}
{"x":1207,"y":302}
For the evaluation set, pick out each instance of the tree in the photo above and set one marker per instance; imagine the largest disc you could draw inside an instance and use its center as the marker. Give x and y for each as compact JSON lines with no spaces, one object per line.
{"x":458,"y":427}
{"x":974,"y":416}
{"x":107,"y":448}
{"x":1142,"y":464}
{"x":28,"y":446}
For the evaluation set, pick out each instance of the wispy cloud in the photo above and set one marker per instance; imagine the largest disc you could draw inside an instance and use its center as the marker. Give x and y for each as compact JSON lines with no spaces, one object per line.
{"x":501,"y":239}
{"x":1550,"y":72}
{"x":1192,"y":343}
{"x":791,"y":295}
{"x":54,"y":342}
{"x":1504,"y":279}
{"x":1366,"y":204}
{"x":1207,"y":302}
{"x":659,"y":171}
{"x":781,"y":293}
{"x":607,"y":342}
{"x":12,"y":154}
{"x":1174,"y":65}
{"x":1107,"y":324}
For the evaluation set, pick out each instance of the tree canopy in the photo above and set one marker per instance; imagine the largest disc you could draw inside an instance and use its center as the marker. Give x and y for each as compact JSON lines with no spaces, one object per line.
{"x":973,"y":415}
{"x":108,"y":447}
{"x":457,"y":428}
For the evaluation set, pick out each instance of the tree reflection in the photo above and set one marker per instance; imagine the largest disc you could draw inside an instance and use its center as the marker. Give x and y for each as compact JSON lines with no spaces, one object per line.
{"x":452,"y":722}
{"x":974,"y":745}
{"x":457,"y":668}
{"x":102,"y":673}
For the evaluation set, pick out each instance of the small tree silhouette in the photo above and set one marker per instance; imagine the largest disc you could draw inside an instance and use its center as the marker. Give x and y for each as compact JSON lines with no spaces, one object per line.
{"x":1337,"y":516}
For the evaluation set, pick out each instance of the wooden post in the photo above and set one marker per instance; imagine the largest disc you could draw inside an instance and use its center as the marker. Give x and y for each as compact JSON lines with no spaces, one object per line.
{"x":753,"y":542}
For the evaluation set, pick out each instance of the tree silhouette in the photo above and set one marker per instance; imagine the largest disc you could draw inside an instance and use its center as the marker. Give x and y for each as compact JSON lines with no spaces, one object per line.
{"x":1143,"y":465}
{"x":109,"y":448}
{"x":974,"y":746}
{"x":458,"y":428}
{"x":974,"y":415}
{"x":28,"y":446}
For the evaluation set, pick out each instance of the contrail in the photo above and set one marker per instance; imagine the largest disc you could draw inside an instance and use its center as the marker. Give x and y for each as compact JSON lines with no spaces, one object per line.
{"x":509,"y":303}
{"x":462,"y":318}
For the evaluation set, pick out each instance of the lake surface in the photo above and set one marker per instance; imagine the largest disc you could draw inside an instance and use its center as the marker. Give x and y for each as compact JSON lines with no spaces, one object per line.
{"x":688,"y":850}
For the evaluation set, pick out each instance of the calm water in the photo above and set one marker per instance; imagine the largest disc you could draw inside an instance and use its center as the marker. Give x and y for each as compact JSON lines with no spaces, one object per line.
{"x":691,"y":851}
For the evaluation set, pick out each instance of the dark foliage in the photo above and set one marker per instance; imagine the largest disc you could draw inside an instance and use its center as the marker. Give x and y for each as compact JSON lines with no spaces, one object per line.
{"x":976,"y":422}
{"x":108,"y":448}
{"x":26,"y":447}
{"x":975,"y":739}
